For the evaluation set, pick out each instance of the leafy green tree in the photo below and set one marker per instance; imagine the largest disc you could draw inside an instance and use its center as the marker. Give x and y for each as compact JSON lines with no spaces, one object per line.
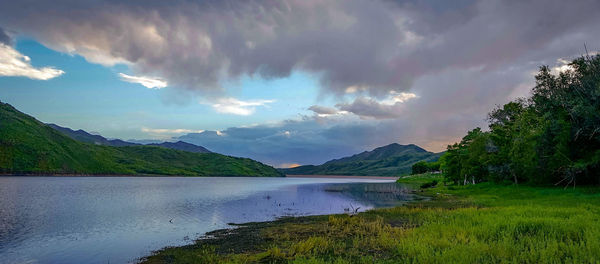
{"x":451,"y":164}
{"x":424,"y":166}
{"x":551,"y":137}
{"x":420,"y":167}
{"x":466,"y":161}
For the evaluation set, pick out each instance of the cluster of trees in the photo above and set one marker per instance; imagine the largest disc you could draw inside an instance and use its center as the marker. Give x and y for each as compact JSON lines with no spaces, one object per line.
{"x":551,"y":137}
{"x":424,"y":167}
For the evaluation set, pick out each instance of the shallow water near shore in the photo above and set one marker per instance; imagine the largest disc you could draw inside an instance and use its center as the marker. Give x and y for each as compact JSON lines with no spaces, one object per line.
{"x":120,"y":219}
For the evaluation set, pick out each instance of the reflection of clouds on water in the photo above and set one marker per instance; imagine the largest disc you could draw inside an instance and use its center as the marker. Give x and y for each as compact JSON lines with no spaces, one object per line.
{"x":374,"y":194}
{"x":216,"y":217}
{"x":95,"y":219}
{"x":312,"y":199}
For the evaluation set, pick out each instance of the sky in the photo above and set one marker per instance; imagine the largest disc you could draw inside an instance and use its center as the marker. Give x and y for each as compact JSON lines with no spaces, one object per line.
{"x":283,"y":82}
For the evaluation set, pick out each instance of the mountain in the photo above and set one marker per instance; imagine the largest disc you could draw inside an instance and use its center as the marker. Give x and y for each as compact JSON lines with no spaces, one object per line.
{"x":390,"y":160}
{"x":144,"y":141}
{"x":180,"y":145}
{"x":83,"y":136}
{"x":28,"y":146}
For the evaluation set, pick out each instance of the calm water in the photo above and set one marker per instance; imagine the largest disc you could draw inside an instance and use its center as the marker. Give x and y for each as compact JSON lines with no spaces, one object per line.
{"x":119,"y":219}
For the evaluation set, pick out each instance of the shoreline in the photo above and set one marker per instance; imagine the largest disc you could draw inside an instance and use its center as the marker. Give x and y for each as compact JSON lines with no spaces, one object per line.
{"x":236,"y":237}
{"x":482,"y":223}
{"x":126,"y":175}
{"x":171,"y":176}
{"x":342,"y":176}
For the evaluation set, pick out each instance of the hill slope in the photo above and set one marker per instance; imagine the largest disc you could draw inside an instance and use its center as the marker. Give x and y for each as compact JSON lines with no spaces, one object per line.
{"x":390,"y":160}
{"x":28,"y":146}
{"x":83,"y":136}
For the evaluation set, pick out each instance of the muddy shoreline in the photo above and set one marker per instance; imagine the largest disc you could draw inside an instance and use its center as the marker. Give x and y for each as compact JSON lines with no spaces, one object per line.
{"x":342,"y":176}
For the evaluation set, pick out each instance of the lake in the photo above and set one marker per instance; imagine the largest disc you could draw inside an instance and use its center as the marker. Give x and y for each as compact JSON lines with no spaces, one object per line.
{"x":120,"y":219}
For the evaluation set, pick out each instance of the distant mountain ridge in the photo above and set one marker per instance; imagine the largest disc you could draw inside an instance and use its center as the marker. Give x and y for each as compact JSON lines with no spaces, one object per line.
{"x":391,"y":160}
{"x":28,"y":146}
{"x":83,"y":136}
{"x":180,"y":145}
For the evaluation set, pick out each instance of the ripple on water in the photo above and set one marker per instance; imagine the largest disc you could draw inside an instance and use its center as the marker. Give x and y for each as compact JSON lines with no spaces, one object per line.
{"x":119,"y":219}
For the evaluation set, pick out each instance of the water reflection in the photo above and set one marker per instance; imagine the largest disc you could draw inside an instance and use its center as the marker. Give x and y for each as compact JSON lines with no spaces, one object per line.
{"x":374,"y":194}
{"x":116,"y":220}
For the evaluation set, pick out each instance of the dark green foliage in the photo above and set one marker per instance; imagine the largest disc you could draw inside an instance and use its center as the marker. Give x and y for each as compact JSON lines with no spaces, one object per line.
{"x":429,"y":184}
{"x":419,"y":167}
{"x":424,"y":167}
{"x":28,"y":146}
{"x":551,"y":137}
{"x":390,"y":160}
{"x":467,"y":161}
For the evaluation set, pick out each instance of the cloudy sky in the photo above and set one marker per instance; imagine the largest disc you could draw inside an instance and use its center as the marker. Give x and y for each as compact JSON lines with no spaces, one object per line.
{"x":284,"y":82}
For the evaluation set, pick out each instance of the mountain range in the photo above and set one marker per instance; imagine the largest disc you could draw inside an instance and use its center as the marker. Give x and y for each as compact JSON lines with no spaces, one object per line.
{"x":391,"y":160}
{"x":28,"y":146}
{"x":83,"y":136}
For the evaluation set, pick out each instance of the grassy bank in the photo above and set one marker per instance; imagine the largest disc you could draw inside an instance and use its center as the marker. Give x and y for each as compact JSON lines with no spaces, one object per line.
{"x":30,"y":147}
{"x":483,"y":223}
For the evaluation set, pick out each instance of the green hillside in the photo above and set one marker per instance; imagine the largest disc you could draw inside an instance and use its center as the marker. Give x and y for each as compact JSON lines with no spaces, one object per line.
{"x":390,"y":160}
{"x":28,"y":146}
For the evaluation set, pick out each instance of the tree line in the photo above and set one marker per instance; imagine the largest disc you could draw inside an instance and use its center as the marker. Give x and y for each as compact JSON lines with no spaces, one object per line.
{"x":424,"y":167}
{"x":550,"y":137}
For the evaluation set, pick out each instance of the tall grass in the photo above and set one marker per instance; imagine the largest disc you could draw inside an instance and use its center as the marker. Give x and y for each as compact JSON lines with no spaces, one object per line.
{"x":483,"y":223}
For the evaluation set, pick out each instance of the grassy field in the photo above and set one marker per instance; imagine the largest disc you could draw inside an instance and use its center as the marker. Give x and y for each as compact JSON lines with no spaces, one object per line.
{"x":483,"y":223}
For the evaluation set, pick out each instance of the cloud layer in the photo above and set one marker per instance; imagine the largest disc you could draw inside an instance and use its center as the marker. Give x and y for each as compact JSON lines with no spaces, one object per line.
{"x":291,"y":142}
{"x":378,"y":45}
{"x":415,"y":71}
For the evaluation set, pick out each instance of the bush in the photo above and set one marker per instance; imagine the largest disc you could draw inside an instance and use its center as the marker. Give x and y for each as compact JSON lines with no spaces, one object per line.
{"x":424,"y":167}
{"x":429,"y":184}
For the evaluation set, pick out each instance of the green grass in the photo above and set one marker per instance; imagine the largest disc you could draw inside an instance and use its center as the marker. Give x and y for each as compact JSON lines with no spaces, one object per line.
{"x":28,"y":146}
{"x":483,"y":223}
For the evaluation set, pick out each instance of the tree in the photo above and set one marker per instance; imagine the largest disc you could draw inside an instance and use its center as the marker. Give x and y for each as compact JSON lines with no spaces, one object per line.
{"x":424,"y":167}
{"x":551,"y":137}
{"x":420,"y":167}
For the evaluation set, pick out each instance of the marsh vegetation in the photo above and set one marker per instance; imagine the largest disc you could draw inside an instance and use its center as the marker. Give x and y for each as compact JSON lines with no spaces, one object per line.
{"x":482,"y":223}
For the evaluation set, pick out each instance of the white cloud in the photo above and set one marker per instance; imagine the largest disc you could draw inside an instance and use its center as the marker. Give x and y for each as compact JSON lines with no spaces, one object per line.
{"x":13,"y":63}
{"x":355,"y":88}
{"x":238,"y":107}
{"x":398,"y":97}
{"x":562,"y":65}
{"x":148,"y":82}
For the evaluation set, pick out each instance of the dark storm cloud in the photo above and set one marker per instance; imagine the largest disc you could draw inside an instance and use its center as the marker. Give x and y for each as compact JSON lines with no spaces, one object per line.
{"x":4,"y":38}
{"x":370,"y":108}
{"x":461,"y":58}
{"x":197,"y":44}
{"x":303,"y":142}
{"x":323,"y":110}
{"x":379,"y":45}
